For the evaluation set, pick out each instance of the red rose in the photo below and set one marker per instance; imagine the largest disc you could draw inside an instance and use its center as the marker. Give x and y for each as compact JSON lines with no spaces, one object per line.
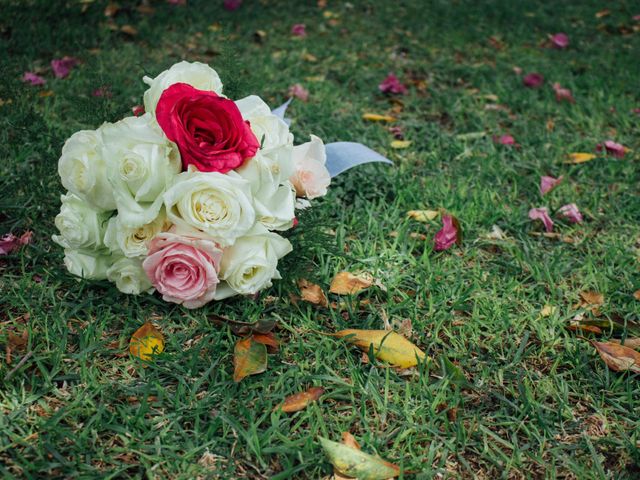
{"x":208,"y":129}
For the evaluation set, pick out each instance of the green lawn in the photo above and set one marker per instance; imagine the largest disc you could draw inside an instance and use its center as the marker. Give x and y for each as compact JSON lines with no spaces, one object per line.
{"x":540,"y":402}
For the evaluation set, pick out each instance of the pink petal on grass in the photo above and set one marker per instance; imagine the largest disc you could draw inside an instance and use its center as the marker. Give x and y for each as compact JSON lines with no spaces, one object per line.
{"x":103,"y":91}
{"x":397,"y":132}
{"x":533,"y":80}
{"x":299,"y":30}
{"x":10,"y":243}
{"x":232,"y":5}
{"x":33,"y":79}
{"x":542,"y":214}
{"x":507,"y":140}
{"x":563,"y":94}
{"x":391,"y":84}
{"x":299,"y":91}
{"x":62,"y":66}
{"x":613,"y":148}
{"x":560,"y":40}
{"x":177,"y":2}
{"x":549,"y":183}
{"x":447,"y":235}
{"x":571,"y":213}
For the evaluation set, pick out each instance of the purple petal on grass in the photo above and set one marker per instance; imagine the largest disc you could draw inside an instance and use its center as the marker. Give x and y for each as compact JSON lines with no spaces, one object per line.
{"x":571,"y":213}
{"x":232,"y":5}
{"x":299,"y":92}
{"x":299,"y":30}
{"x":613,"y":148}
{"x":33,"y":79}
{"x":447,"y":235}
{"x":563,"y":94}
{"x":549,"y":183}
{"x":391,"y":84}
{"x":62,"y":66}
{"x":560,"y":40}
{"x":533,"y":80}
{"x":542,"y":214}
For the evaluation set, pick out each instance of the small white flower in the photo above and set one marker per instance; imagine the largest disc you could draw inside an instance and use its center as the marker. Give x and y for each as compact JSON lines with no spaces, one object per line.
{"x":80,"y":226}
{"x":129,"y":276}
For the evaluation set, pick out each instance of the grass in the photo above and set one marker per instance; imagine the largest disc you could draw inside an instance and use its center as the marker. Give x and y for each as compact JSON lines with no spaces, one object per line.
{"x":541,"y":403}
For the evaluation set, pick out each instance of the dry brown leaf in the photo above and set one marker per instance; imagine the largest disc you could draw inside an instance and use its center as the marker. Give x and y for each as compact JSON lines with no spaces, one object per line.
{"x":146,"y":342}
{"x":618,"y":357}
{"x":129,"y":30}
{"x":111,"y":9}
{"x":628,"y":342}
{"x":345,"y":283}
{"x":268,"y":339}
{"x":249,"y":358}
{"x":423,"y":215}
{"x":312,"y":293}
{"x":591,"y":298}
{"x":300,"y":401}
{"x":636,"y":294}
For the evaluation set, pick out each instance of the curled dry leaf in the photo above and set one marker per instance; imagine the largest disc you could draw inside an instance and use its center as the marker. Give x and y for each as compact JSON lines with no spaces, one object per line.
{"x":629,"y":342}
{"x":374,"y":117}
{"x":146,"y":342}
{"x":345,"y":283}
{"x":300,"y":401}
{"x":580,"y":157}
{"x":353,"y":462}
{"x":312,"y":293}
{"x":618,"y":358}
{"x":423,"y":215}
{"x":249,"y":358}
{"x":269,"y":340}
{"x":387,"y":345}
{"x":591,"y":298}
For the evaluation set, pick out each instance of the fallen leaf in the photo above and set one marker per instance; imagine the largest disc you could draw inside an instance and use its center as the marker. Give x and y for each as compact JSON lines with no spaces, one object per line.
{"x":496,"y":233}
{"x":591,"y":298}
{"x":636,"y":294}
{"x":603,"y":13}
{"x":350,"y":441}
{"x":453,"y":372}
{"x":146,"y":342}
{"x":269,"y":340}
{"x":299,"y":401}
{"x":129,"y":30}
{"x":580,"y":157}
{"x":618,"y":358}
{"x":400,"y":144}
{"x":388,"y":346}
{"x":312,"y":293}
{"x":374,"y":117}
{"x":579,"y":327}
{"x":244,"y":328}
{"x":423,"y":215}
{"x":547,"y":311}
{"x":628,"y":342}
{"x":353,"y":462}
{"x":345,"y":283}
{"x":249,"y":358}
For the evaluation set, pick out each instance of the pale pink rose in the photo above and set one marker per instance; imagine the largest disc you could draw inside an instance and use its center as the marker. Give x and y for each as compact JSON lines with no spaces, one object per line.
{"x":549,"y":183}
{"x":183,"y":268}
{"x":542,"y":214}
{"x":571,"y":213}
{"x":310,"y":176}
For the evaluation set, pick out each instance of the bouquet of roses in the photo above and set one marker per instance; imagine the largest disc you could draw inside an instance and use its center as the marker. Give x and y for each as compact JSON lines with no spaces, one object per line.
{"x":190,"y":197}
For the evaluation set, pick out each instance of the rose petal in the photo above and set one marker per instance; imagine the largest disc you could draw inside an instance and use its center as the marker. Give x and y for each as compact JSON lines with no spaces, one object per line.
{"x":299,"y":30}
{"x":549,"y":183}
{"x":560,"y":40}
{"x":33,"y":79}
{"x":391,"y":84}
{"x":563,"y":94}
{"x":571,"y":213}
{"x":447,"y":235}
{"x":533,"y":80}
{"x":299,"y":92}
{"x":543,"y":215}
{"x":62,"y":66}
{"x":232,"y":5}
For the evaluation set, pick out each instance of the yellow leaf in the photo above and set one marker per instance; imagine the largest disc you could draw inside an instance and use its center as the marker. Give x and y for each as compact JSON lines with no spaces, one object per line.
{"x":249,"y":358}
{"x":547,"y":310}
{"x":400,"y":144}
{"x":299,"y":401}
{"x":575,"y":158}
{"x":352,"y":462}
{"x":345,"y":283}
{"x":312,"y":293}
{"x":423,"y":215}
{"x":618,"y":357}
{"x":387,"y":345}
{"x":374,"y":117}
{"x":146,"y":342}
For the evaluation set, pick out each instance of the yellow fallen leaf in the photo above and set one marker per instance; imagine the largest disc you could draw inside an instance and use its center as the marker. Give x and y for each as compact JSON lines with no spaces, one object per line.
{"x":146,"y":342}
{"x":353,"y":462}
{"x":618,"y":358}
{"x":388,"y":346}
{"x":547,"y":310}
{"x":399,"y":144}
{"x":423,"y":215}
{"x":374,"y":117}
{"x":345,"y":283}
{"x":575,"y":158}
{"x":312,"y":293}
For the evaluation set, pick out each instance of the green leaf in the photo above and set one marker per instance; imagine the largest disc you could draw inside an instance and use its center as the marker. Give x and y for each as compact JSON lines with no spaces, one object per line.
{"x":249,"y":358}
{"x":355,"y":463}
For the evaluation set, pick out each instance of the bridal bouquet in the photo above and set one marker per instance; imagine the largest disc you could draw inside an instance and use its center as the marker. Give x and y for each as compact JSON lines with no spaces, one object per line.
{"x":191,"y":197}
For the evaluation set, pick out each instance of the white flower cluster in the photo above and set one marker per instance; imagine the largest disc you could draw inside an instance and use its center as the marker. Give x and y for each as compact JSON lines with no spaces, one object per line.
{"x":136,"y":215}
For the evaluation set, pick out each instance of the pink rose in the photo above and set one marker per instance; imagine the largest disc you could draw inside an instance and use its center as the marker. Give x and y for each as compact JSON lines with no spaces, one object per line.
{"x":310,"y":177}
{"x":184,"y":269}
{"x":208,"y":129}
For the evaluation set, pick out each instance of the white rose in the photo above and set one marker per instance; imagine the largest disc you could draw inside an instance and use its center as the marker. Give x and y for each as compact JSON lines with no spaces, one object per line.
{"x":251,"y":263}
{"x":217,"y":204}
{"x":87,"y":264}
{"x":83,"y":170}
{"x":271,"y":131}
{"x":133,"y":241}
{"x":129,"y":276}
{"x":141,"y":165}
{"x":311,"y":177}
{"x":80,"y":226}
{"x":196,"y":74}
